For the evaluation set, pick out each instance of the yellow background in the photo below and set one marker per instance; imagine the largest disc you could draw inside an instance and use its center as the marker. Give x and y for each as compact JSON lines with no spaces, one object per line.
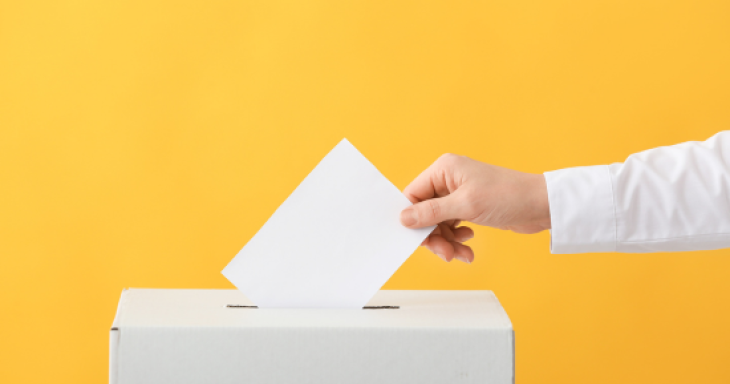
{"x":143,"y":143}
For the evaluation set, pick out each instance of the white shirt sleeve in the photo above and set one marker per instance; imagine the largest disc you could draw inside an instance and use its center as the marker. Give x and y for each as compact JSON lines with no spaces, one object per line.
{"x":674,"y":198}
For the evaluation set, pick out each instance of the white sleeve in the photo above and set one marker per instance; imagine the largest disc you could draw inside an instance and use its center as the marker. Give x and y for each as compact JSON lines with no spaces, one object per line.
{"x":674,"y":198}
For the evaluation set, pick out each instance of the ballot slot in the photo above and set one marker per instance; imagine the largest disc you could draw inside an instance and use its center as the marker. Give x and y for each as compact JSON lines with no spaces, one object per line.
{"x":365,"y":307}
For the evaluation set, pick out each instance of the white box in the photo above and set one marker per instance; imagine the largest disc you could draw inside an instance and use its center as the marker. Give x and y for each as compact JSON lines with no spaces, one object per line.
{"x":191,"y":336}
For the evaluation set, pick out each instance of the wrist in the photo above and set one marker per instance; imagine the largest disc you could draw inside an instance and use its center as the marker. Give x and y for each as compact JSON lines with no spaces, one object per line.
{"x":539,"y":201}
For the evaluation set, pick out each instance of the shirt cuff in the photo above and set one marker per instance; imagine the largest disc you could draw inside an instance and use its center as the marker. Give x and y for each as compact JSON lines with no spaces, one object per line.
{"x":582,"y":214}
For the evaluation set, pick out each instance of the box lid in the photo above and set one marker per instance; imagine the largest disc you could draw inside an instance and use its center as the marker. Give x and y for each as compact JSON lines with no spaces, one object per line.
{"x":210,"y":308}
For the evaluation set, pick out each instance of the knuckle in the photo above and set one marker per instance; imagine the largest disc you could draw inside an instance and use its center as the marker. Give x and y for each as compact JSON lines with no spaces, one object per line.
{"x":448,"y":158}
{"x":432,"y":210}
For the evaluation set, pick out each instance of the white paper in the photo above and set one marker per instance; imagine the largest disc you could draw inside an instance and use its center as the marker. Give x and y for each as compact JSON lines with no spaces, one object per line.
{"x":333,"y":243}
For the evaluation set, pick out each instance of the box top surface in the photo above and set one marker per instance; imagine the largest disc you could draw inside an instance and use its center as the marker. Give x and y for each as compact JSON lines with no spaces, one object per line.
{"x":208,"y":308}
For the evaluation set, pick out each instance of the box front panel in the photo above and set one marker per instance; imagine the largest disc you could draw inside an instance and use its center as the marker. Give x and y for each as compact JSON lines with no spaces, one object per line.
{"x":315,"y":355}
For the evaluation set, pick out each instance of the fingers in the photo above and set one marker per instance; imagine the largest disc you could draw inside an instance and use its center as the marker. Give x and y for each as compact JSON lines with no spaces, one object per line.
{"x":441,"y":247}
{"x":445,"y":231}
{"x":462,"y":234}
{"x":433,"y":211}
{"x":445,"y":242}
{"x":422,"y":187}
{"x":463,"y":253}
{"x":433,"y":181}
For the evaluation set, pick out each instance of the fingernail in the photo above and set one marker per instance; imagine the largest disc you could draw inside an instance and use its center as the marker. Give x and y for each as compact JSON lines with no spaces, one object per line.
{"x":408,"y":217}
{"x":463,"y":259}
{"x":442,"y":257}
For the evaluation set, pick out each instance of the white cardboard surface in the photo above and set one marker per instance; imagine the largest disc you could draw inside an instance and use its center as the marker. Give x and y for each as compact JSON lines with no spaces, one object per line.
{"x":333,"y":243}
{"x":166,"y":336}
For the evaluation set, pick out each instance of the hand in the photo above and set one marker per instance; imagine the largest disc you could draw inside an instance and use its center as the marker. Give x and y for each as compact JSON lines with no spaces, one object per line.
{"x":457,"y":188}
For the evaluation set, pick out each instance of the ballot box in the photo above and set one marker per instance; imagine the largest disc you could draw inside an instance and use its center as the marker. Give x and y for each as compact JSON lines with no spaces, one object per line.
{"x":191,"y":336}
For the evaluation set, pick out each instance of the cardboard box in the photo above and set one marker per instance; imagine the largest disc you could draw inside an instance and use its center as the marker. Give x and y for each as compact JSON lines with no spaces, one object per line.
{"x":211,"y":336}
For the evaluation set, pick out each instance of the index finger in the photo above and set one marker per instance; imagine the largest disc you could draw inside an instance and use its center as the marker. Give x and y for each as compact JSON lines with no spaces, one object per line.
{"x":429,"y":184}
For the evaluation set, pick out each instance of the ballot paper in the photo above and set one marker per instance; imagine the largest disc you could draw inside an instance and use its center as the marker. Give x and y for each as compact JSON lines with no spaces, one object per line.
{"x":334,"y":241}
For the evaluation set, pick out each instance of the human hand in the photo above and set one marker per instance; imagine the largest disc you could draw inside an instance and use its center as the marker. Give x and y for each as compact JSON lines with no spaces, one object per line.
{"x":457,"y":188}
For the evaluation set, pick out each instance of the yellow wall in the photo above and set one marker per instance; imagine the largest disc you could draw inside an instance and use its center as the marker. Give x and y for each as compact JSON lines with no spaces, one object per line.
{"x":142,"y":143}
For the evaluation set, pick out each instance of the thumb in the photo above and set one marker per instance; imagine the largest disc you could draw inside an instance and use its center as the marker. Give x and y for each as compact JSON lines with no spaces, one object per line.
{"x":430,"y":212}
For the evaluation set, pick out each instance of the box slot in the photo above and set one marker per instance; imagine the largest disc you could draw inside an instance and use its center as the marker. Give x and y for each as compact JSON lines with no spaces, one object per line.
{"x":366,"y":307}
